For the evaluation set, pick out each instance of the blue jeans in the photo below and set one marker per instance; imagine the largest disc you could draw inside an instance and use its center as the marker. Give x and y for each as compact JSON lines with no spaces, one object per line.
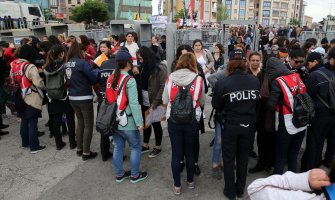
{"x":287,"y":150}
{"x":28,"y":132}
{"x":134,"y":140}
{"x":183,"y":138}
{"x":216,"y":156}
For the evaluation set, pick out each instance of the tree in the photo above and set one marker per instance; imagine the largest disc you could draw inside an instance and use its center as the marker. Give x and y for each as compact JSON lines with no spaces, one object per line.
{"x":180,"y":15}
{"x":293,"y":21}
{"x":221,"y":12}
{"x":91,"y":10}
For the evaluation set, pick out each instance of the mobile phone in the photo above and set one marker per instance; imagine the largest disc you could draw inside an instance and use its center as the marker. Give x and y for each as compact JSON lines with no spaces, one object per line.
{"x":329,"y":191}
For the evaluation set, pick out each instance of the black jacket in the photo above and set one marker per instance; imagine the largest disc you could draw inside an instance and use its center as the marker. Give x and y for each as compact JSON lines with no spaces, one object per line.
{"x":275,"y":68}
{"x":235,"y":97}
{"x":106,"y":69}
{"x":219,"y":62}
{"x":316,"y":84}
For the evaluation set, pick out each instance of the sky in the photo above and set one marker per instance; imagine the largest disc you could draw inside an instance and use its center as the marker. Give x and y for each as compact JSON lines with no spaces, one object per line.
{"x":319,"y":9}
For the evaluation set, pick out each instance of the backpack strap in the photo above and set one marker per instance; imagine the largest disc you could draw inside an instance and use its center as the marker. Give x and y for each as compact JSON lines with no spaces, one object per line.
{"x":122,"y":83}
{"x":318,"y":96}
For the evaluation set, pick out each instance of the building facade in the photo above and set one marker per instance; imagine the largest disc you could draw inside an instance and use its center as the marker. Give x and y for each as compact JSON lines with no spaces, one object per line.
{"x":308,"y":21}
{"x":265,"y":12}
{"x":124,"y":9}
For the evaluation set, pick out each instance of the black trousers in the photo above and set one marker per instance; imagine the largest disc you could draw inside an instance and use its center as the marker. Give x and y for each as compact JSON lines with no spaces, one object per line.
{"x":56,"y":125}
{"x":236,"y":145}
{"x":157,"y":130}
{"x":265,"y":144}
{"x":322,"y":127}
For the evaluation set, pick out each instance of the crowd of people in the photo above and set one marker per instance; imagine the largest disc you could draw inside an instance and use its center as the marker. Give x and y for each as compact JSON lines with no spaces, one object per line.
{"x":281,"y":94}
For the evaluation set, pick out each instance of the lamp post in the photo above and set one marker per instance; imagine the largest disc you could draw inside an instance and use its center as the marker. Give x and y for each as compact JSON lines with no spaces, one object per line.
{"x":139,"y":9}
{"x":184,"y":14}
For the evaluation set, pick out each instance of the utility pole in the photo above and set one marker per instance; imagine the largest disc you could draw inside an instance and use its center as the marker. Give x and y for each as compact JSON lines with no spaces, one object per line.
{"x":184,"y":15}
{"x":139,"y":9}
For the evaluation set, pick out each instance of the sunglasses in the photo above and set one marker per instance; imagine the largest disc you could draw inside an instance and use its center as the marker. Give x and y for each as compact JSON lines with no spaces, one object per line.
{"x":298,"y":61}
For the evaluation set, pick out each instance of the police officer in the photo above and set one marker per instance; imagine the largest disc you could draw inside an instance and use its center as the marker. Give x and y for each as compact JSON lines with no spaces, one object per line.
{"x":235,"y":97}
{"x":106,"y":69}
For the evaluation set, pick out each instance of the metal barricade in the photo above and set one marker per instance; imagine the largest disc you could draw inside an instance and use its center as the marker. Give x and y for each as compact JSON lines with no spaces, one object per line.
{"x":209,"y":37}
{"x":97,"y":34}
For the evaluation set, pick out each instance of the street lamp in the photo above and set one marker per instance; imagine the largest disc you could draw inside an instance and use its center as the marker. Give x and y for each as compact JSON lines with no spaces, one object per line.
{"x":139,"y":9}
{"x":184,"y":15}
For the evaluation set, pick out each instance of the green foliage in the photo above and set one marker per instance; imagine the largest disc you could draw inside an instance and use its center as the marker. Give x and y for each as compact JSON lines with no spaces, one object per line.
{"x":293,"y":21}
{"x":221,"y":12}
{"x":91,"y":10}
{"x":180,"y":15}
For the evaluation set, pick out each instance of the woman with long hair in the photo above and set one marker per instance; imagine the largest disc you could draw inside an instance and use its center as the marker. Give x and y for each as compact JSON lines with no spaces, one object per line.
{"x":57,"y":107}
{"x":80,"y":78}
{"x":204,"y":57}
{"x":153,"y":77}
{"x":234,"y":99}
{"x":131,"y":122}
{"x":89,"y":49}
{"x":218,"y":56}
{"x":183,"y":135}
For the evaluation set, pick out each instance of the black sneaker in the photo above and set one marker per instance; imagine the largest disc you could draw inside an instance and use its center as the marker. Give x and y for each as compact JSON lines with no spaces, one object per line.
{"x":106,"y":157}
{"x":73,"y":145}
{"x":125,"y":175}
{"x":253,"y":154}
{"x":256,"y":169}
{"x":40,"y":148}
{"x":145,"y":149}
{"x":79,"y":153}
{"x":154,"y":153}
{"x":61,"y":146}
{"x":40,"y":133}
{"x":89,"y":156}
{"x":197,"y":170}
{"x":141,"y":176}
{"x":3,"y":126}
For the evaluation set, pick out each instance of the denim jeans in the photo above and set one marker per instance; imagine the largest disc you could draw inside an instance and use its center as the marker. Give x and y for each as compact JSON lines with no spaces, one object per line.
{"x":287,"y":150}
{"x":134,"y":140}
{"x":216,"y":156}
{"x":183,"y":138}
{"x":28,"y":132}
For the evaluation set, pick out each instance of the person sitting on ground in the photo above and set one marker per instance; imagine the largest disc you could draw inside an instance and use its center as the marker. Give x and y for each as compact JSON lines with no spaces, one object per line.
{"x":290,"y":185}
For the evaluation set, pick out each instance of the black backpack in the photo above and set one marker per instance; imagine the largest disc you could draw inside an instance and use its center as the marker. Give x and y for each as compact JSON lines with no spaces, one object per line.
{"x":55,"y":84}
{"x":182,"y":110}
{"x":303,"y":108}
{"x":106,"y":122}
{"x":331,"y":91}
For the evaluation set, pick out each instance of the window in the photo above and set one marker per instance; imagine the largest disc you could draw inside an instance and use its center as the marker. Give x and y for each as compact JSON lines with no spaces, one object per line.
{"x":68,"y":1}
{"x":242,"y":4}
{"x":283,"y":14}
{"x":284,"y":5}
{"x":207,"y":6}
{"x":235,"y":11}
{"x":275,"y":13}
{"x":257,"y":5}
{"x":78,"y":2}
{"x":34,"y":11}
{"x":267,"y":4}
{"x":242,"y":13}
{"x":228,"y":12}
{"x":265,"y":22}
{"x":236,"y":2}
{"x":266,"y":13}
{"x":228,"y":2}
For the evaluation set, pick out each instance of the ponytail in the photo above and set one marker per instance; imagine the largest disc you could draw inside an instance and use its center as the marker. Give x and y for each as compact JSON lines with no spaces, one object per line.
{"x":119,"y":65}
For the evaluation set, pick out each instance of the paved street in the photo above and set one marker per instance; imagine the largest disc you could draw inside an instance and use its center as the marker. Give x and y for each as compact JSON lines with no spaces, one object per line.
{"x":53,"y":174}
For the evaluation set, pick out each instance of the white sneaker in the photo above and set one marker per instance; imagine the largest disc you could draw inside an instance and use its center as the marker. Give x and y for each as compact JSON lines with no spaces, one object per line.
{"x":40,"y":148}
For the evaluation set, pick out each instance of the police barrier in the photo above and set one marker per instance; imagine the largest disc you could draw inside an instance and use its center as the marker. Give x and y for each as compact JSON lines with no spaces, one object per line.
{"x":96,"y":34}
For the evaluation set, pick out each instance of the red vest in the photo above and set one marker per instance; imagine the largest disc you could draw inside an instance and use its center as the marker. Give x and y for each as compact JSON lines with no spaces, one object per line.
{"x":292,"y":83}
{"x":17,"y":74}
{"x":111,"y":93}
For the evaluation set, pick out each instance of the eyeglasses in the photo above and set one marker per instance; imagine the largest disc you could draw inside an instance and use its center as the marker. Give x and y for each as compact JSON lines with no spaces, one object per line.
{"x":298,"y":61}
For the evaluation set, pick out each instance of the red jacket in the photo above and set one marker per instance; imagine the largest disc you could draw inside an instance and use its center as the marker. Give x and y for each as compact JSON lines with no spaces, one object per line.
{"x":91,"y":51}
{"x":9,"y":55}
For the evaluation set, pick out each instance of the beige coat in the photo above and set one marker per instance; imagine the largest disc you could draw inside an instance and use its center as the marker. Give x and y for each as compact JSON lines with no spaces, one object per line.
{"x":34,"y":99}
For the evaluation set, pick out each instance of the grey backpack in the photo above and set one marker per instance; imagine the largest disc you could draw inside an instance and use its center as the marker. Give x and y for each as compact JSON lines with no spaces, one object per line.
{"x":55,"y":84}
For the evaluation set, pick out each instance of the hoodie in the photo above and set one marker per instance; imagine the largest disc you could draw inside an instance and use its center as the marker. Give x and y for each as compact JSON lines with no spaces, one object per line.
{"x":182,"y":77}
{"x":275,"y":69}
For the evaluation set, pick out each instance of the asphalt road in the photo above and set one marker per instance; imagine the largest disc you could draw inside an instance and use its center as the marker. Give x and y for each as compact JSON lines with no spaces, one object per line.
{"x":53,"y":174}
